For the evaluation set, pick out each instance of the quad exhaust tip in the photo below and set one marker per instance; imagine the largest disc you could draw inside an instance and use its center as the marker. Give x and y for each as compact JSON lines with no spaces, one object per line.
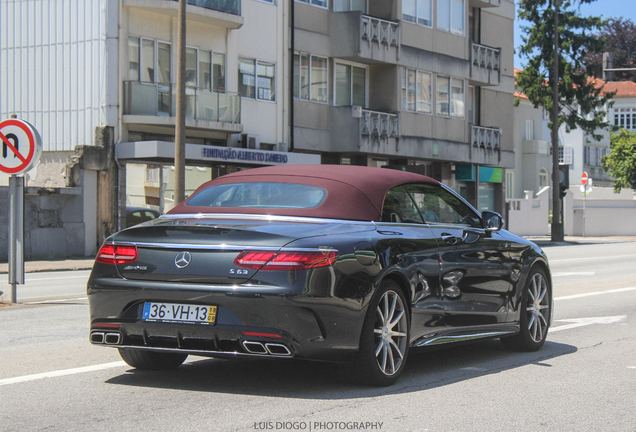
{"x":268,"y":348}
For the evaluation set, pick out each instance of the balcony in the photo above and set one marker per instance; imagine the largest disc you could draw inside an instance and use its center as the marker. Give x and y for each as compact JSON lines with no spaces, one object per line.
{"x":153,"y":103}
{"x":486,"y":137}
{"x":356,"y":130}
{"x":223,"y":13}
{"x":382,"y":32}
{"x":379,"y":125}
{"x":485,"y":64}
{"x":364,"y":38}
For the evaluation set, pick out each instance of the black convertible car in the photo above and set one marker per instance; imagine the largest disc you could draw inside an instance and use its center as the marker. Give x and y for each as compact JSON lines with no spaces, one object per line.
{"x":326,"y":262}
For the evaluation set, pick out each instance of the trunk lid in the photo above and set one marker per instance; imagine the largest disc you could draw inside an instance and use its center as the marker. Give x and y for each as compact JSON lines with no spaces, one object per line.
{"x":198,"y":250}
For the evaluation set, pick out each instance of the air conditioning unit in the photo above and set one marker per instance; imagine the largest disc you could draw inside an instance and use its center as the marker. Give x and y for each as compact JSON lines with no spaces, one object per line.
{"x":250,"y":141}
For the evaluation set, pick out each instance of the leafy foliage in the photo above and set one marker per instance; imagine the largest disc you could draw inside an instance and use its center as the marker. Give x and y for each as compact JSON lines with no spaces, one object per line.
{"x":621,"y":162}
{"x":581,"y":102}
{"x":620,"y":39}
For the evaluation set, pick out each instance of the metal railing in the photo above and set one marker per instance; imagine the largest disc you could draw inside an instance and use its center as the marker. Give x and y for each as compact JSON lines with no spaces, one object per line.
{"x":381,"y":31}
{"x":486,"y":137}
{"x":154,"y":99}
{"x":486,"y":57}
{"x":228,"y":6}
{"x":379,"y":124}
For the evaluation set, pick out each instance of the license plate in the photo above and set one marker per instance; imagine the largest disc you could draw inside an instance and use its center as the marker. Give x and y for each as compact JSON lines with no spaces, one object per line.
{"x":181,"y":313}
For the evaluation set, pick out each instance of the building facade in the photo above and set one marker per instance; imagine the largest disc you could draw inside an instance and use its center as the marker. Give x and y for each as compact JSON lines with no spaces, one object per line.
{"x":422,"y":85}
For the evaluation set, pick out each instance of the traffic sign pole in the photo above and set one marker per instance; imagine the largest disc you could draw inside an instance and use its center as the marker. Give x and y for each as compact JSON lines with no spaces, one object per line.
{"x":16,"y":234}
{"x":21,"y":147}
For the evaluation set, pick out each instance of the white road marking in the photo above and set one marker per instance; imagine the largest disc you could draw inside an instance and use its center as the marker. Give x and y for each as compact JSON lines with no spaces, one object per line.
{"x":55,"y":301}
{"x":580,"y":322}
{"x":64,"y":372}
{"x":573,"y":274}
{"x":595,"y":293}
{"x":593,"y":258}
{"x":631,"y":367}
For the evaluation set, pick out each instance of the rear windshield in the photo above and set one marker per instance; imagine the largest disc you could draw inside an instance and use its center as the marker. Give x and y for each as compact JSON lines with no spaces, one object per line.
{"x":255,"y":195}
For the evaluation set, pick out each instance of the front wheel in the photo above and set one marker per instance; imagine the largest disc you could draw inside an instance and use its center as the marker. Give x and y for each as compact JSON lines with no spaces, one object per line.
{"x":384,"y":342}
{"x":534,"y":318}
{"x":151,"y":360}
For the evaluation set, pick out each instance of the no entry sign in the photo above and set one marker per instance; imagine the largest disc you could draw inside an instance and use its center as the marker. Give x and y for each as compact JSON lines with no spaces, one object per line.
{"x":20,"y":146}
{"x":584,"y":178}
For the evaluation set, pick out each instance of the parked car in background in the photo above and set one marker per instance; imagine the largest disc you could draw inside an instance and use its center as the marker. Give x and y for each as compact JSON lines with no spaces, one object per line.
{"x":137,"y":215}
{"x":324,"y":262}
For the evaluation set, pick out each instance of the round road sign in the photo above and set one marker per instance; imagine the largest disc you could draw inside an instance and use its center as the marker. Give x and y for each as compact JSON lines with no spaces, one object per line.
{"x":20,"y":146}
{"x":584,"y":178}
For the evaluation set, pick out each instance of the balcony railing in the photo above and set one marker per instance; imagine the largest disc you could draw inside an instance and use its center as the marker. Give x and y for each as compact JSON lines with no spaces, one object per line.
{"x":379,"y":124}
{"x":486,"y":57}
{"x":228,"y":6}
{"x":486,"y":137}
{"x":153,"y":99}
{"x":380,"y":31}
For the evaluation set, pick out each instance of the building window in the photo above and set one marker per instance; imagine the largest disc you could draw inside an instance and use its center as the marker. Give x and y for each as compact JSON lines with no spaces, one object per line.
{"x":218,"y":72}
{"x":256,"y":79}
{"x":310,"y":77}
{"x":147,"y":60}
{"x":457,"y":98}
{"x":592,"y":155}
{"x":351,"y":85}
{"x":350,"y":5}
{"x":544,"y":178}
{"x":418,"y":11}
{"x":416,"y":91}
{"x":625,"y":118}
{"x":133,"y":59}
{"x":566,"y":155}
{"x":450,"y":16}
{"x":191,"y":67}
{"x":510,"y":184}
{"x":320,"y":3}
{"x":163,"y":63}
{"x":443,"y":96}
{"x":529,"y":130}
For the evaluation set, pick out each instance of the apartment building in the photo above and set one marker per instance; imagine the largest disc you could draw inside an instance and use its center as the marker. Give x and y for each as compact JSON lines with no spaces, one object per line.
{"x":423,"y":85}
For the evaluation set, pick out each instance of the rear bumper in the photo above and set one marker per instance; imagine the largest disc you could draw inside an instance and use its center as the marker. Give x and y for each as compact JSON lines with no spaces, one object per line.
{"x":295,"y":325}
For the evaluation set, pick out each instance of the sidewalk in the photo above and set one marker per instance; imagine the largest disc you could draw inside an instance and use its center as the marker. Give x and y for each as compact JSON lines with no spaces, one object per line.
{"x":83,"y":263}
{"x":56,"y":265}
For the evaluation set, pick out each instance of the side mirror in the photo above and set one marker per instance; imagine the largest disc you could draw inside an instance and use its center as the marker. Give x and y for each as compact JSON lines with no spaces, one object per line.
{"x":492,"y":221}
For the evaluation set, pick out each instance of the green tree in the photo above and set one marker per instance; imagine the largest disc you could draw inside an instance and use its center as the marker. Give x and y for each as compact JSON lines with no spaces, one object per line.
{"x":621,"y":162}
{"x":580,"y":98}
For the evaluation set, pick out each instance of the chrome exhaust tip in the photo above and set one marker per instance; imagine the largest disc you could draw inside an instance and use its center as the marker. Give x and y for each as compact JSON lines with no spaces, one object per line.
{"x":278,"y":349}
{"x":97,"y":337}
{"x":112,"y":338}
{"x":254,"y":347}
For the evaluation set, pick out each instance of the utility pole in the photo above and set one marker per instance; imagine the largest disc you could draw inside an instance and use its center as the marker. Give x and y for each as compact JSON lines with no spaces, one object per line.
{"x":557,"y":225}
{"x":179,"y":141}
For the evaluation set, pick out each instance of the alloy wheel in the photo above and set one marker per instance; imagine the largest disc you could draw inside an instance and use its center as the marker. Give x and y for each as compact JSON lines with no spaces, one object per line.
{"x":538,"y":307}
{"x":390,"y":333}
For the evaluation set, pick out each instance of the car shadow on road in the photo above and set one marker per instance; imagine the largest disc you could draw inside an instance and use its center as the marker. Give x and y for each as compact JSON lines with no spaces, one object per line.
{"x":425,"y":369}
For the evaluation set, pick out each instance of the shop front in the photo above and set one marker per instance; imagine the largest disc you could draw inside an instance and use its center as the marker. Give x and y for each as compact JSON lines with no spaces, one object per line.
{"x":482,"y":186}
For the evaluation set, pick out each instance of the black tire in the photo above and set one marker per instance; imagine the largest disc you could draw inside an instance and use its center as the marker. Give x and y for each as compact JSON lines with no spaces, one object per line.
{"x":151,"y":360}
{"x":534,"y":314}
{"x":384,"y":344}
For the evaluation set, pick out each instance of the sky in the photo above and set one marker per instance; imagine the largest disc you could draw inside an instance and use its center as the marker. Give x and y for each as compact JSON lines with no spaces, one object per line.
{"x":605,"y":8}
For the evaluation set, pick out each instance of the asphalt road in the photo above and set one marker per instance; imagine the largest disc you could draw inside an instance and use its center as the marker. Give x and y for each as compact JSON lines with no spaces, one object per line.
{"x":583,"y":379}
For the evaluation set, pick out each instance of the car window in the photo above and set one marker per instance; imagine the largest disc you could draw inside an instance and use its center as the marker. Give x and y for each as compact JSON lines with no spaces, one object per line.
{"x":260,"y":194}
{"x":149,"y":215}
{"x":399,"y":208}
{"x":437,"y":205}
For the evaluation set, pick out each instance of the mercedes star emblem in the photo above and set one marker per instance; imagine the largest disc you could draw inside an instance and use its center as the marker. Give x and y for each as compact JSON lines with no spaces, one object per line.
{"x":182,"y":259}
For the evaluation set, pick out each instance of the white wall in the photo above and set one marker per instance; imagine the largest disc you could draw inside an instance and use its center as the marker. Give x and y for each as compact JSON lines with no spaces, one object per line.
{"x":53,"y":67}
{"x":529,"y":216}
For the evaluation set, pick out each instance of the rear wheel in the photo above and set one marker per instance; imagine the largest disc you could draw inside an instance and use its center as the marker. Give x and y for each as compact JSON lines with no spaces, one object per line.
{"x":151,"y":360}
{"x":534,"y":314}
{"x":384,"y":342}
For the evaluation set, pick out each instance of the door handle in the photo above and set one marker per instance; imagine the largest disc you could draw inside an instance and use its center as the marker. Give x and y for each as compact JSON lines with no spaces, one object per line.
{"x":449,"y":238}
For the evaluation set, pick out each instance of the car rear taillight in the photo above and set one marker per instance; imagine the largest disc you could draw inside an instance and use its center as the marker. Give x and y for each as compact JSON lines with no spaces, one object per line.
{"x":285,"y":260}
{"x":116,"y":254}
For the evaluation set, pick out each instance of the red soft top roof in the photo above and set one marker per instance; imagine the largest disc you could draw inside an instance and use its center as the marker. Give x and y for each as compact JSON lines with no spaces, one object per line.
{"x":353,"y":192}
